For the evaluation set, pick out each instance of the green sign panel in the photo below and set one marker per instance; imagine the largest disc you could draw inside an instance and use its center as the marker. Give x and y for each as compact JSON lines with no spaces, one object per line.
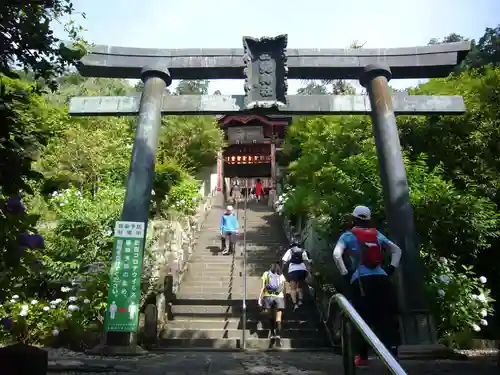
{"x":122,"y":313}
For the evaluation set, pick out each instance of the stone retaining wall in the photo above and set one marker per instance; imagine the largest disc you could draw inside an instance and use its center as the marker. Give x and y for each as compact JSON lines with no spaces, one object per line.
{"x":169,"y":245}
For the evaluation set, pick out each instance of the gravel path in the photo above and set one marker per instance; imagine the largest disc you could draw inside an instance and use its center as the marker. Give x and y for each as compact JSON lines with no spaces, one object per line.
{"x":64,"y":362}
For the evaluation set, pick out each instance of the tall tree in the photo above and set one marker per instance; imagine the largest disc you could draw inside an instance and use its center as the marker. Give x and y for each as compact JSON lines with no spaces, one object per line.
{"x":187,"y":87}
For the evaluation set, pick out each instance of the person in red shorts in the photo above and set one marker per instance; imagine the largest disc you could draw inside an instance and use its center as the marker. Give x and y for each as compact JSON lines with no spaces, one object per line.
{"x":258,"y":190}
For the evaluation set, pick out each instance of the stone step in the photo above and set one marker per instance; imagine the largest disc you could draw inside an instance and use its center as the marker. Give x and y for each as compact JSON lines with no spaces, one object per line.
{"x":219,"y":296}
{"x":214,"y":288}
{"x":257,"y":344}
{"x":206,"y":258}
{"x":217,"y":287}
{"x":201,"y":275}
{"x":211,"y":266}
{"x":181,"y":333}
{"x":235,"y":310}
{"x":236,"y":323}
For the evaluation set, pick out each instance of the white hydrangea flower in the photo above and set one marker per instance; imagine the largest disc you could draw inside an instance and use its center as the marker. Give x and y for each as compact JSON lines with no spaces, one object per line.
{"x":86,"y":301}
{"x":15,"y":296}
{"x":441,"y":292}
{"x":68,"y":315}
{"x":55,"y":332}
{"x":72,"y":299}
{"x":474,"y":297}
{"x":483,"y":322}
{"x":25,"y":307}
{"x":483,"y":280}
{"x":46,"y":308}
{"x":23,"y":312}
{"x":65,"y":289}
{"x":34,"y":302}
{"x":73,"y":308}
{"x":445,"y":279}
{"x":482,"y":298}
{"x":484,"y":313}
{"x":476,"y":328}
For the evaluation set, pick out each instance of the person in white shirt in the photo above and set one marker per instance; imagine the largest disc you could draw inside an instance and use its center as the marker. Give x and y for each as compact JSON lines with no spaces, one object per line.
{"x":298,"y":269}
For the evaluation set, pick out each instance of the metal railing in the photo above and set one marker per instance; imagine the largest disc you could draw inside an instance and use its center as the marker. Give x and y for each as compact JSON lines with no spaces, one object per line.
{"x":350,"y":317}
{"x":244,"y":304}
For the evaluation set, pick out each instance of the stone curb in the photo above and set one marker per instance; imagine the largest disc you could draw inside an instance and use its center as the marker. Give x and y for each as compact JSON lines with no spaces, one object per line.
{"x":81,"y":366}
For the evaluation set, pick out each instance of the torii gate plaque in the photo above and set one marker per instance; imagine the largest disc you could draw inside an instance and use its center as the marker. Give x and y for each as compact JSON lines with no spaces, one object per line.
{"x":265,"y":66}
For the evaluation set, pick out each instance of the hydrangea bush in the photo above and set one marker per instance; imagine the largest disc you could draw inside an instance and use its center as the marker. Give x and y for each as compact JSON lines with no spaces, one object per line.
{"x":184,"y":196}
{"x":35,"y":321}
{"x":460,"y":299}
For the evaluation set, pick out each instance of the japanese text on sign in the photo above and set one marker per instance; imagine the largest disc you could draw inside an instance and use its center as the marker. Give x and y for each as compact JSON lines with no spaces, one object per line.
{"x":125,"y":277}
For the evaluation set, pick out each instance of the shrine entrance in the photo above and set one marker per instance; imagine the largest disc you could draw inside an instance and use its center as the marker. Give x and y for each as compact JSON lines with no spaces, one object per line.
{"x":265,"y":64}
{"x":252,"y":144}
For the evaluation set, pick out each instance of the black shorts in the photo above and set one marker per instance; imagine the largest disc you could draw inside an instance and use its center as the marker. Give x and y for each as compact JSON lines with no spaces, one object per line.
{"x":269,"y":302}
{"x":299,"y":275}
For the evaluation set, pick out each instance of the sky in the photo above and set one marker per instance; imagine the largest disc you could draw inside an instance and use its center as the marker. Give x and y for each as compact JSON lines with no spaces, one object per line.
{"x":309,"y":24}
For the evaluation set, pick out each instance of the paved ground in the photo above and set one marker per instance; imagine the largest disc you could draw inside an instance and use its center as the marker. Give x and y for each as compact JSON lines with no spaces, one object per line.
{"x":257,"y":363}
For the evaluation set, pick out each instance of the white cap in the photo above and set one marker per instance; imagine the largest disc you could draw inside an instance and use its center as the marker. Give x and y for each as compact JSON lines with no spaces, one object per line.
{"x":362,"y":212}
{"x":229,"y":208}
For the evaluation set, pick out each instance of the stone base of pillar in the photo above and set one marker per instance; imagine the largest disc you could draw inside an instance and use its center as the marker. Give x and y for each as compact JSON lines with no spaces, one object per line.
{"x":433,"y":351}
{"x":108,"y":350}
{"x":417,"y":328}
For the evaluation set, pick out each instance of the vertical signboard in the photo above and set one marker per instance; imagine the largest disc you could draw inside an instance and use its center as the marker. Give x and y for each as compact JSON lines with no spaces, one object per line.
{"x":122,"y":312}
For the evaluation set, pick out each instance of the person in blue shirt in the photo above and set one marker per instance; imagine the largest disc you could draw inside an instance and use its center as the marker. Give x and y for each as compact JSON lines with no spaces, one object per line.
{"x":228,"y":229}
{"x":372,"y":293}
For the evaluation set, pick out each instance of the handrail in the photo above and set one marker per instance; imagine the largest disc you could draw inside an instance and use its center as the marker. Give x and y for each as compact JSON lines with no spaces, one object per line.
{"x":347,"y":351}
{"x":244,"y":307}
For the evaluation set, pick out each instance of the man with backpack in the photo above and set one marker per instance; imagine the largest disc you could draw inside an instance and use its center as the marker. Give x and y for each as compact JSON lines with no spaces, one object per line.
{"x":372,"y":293}
{"x":228,"y":228}
{"x":298,"y":270}
{"x":272,"y":297}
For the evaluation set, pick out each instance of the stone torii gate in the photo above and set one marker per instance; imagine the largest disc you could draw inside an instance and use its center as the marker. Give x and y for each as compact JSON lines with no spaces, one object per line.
{"x":266,"y":64}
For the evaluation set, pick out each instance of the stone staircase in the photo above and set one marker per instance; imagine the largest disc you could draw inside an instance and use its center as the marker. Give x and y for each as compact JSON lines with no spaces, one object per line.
{"x":208,"y":309}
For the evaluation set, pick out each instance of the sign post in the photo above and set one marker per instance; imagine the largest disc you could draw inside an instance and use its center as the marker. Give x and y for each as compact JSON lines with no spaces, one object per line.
{"x":122,"y":312}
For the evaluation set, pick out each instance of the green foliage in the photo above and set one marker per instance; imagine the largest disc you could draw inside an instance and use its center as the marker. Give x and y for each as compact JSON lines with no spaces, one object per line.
{"x":467,"y":145}
{"x":78,"y":154}
{"x":452,"y":170}
{"x":71,"y":173}
{"x":29,"y":41}
{"x":83,"y":234}
{"x":166,"y":176}
{"x":187,"y":87}
{"x":184,"y":196}
{"x":190,"y":140}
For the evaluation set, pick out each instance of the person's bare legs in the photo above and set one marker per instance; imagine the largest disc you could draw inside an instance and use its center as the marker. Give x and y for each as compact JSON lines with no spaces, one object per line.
{"x":278,"y":317}
{"x":293,"y":293}
{"x":300,"y":292}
